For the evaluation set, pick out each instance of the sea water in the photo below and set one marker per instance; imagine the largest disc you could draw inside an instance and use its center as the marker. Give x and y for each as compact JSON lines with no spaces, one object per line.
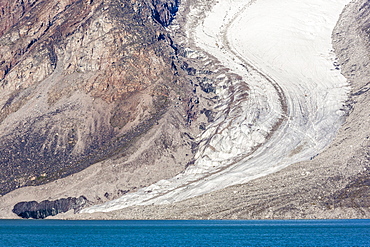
{"x":185,"y":233}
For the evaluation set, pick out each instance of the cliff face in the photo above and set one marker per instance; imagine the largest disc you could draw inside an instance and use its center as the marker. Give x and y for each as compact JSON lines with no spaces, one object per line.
{"x":48,"y":208}
{"x":164,"y":10}
{"x":80,"y":80}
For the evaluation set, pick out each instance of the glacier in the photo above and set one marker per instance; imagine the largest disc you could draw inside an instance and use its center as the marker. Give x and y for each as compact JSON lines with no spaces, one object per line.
{"x":287,"y":108}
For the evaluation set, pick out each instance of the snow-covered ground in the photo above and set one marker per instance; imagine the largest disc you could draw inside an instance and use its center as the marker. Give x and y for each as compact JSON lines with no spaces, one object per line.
{"x":282,"y":49}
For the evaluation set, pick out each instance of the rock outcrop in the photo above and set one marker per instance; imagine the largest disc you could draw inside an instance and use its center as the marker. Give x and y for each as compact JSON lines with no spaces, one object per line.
{"x":165,"y":10}
{"x":333,"y":184}
{"x":12,"y":11}
{"x":48,"y":208}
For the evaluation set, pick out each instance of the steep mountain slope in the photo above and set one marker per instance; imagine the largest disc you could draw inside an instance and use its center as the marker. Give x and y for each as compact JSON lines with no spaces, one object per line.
{"x":82,"y":83}
{"x":80,"y":79}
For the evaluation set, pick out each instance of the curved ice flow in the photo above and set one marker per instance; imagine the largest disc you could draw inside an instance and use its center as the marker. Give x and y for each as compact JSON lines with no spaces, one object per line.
{"x":292,"y":110}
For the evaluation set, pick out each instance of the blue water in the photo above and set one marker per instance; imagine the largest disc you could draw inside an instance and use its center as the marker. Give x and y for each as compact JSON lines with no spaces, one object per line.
{"x":185,"y":233}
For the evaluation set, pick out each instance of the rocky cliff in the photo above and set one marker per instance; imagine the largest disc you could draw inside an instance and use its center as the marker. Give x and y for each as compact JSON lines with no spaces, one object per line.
{"x":47,"y":208}
{"x":165,"y":10}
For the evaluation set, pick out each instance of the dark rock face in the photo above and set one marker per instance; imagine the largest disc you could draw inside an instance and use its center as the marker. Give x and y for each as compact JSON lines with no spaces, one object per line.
{"x":205,"y":86}
{"x":47,"y":208}
{"x":165,"y":11}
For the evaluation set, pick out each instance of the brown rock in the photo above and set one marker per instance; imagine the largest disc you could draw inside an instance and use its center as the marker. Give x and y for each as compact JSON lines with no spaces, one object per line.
{"x":79,"y":80}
